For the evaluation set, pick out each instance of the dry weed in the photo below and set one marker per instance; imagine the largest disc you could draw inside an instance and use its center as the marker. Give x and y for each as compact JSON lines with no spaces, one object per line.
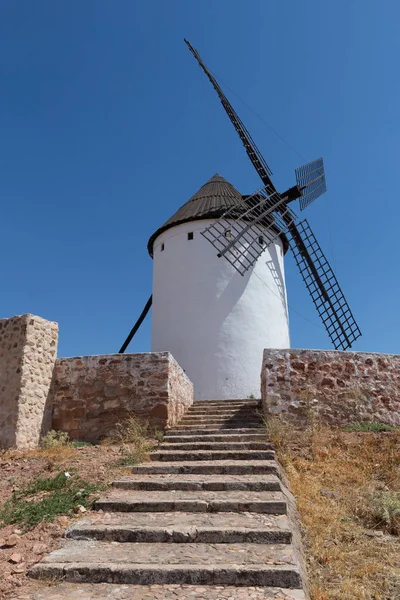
{"x":57,"y":455}
{"x":54,"y":438}
{"x":386,"y":510}
{"x":134,"y":436}
{"x":346,"y":486}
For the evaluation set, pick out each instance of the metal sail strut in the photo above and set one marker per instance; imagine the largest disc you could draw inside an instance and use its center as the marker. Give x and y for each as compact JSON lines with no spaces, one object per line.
{"x":136,"y":326}
{"x":324,"y":288}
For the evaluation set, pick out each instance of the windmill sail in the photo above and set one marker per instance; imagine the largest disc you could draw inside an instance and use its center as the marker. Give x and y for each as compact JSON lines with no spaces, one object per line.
{"x":323,"y":288}
{"x":242,"y":234}
{"x":242,"y":251}
{"x":311,"y":181}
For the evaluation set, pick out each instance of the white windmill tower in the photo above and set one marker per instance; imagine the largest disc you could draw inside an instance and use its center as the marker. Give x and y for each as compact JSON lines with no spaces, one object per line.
{"x":213,"y":320}
{"x":219,"y":294}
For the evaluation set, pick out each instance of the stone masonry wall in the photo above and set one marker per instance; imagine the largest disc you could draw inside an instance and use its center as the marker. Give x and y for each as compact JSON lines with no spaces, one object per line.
{"x":28,"y":347}
{"x":338,"y":387}
{"x":92,"y":393}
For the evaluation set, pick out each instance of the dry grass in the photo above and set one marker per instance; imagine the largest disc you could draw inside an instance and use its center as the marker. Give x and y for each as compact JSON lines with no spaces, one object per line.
{"x":54,"y":455}
{"x":135,"y":437}
{"x":347,"y":487}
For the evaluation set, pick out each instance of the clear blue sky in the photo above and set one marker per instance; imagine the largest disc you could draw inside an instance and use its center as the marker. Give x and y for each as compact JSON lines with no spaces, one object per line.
{"x":108,"y":126}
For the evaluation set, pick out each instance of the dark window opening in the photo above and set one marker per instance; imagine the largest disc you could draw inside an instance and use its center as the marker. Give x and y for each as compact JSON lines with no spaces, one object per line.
{"x":162,"y":247}
{"x":261,"y":240}
{"x":228,"y":234}
{"x":190,"y":235}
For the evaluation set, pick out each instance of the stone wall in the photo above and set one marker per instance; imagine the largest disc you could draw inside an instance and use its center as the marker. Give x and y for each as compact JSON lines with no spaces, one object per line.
{"x":337,"y":387}
{"x":92,"y":393}
{"x":28,"y":347}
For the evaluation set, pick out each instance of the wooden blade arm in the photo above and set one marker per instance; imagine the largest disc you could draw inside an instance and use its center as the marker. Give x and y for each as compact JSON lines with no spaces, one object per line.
{"x":253,"y":152}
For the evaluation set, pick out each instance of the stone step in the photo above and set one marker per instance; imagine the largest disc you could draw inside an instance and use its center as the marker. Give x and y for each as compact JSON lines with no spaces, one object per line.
{"x":197,"y":501}
{"x":227,"y":437}
{"x":226,"y":406}
{"x":209,"y":419}
{"x":170,"y":433}
{"x":226,"y":467}
{"x":200,"y":411}
{"x":109,"y":591}
{"x":212,"y":422}
{"x":243,"y":401}
{"x":211,"y":445}
{"x":177,"y":455}
{"x":144,"y":564}
{"x":219,"y":426}
{"x":180,"y":528}
{"x":244,"y":416}
{"x":255,"y":483}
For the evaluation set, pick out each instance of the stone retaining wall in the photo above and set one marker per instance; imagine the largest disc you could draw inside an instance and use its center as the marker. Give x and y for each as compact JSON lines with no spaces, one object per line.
{"x":337,"y":387}
{"x":28,"y":347}
{"x":92,"y":393}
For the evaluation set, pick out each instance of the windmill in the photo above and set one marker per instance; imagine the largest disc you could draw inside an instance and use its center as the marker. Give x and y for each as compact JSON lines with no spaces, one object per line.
{"x":269,"y":206}
{"x":219,"y":293}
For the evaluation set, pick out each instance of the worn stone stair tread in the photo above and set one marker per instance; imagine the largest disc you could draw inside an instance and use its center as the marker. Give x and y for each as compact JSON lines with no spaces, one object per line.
{"x":227,"y":407}
{"x":216,"y":410}
{"x":110,"y":591}
{"x":171,"y":527}
{"x":193,"y":482}
{"x":219,"y":414}
{"x":233,"y":411}
{"x":197,"y":501}
{"x":229,"y":564}
{"x":229,"y":437}
{"x":218,"y":426}
{"x":181,"y":455}
{"x":210,"y":445}
{"x":219,"y":423}
{"x":92,"y":551}
{"x":230,"y":401}
{"x":229,"y":467}
{"x":212,"y":419}
{"x":242,"y":431}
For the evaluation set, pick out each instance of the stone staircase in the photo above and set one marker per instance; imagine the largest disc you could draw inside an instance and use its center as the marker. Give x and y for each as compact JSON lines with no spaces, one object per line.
{"x":205,"y":518}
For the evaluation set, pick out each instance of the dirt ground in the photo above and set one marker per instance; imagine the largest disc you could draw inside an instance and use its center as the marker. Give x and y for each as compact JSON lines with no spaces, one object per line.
{"x":20,"y":550}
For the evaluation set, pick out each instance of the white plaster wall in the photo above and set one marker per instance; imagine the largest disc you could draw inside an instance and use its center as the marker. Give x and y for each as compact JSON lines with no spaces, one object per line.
{"x":214,"y":321}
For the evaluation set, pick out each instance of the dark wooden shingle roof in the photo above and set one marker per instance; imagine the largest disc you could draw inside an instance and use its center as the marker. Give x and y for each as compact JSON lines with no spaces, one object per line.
{"x":209,"y":202}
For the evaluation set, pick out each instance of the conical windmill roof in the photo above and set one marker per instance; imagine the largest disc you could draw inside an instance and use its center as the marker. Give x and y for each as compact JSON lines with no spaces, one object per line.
{"x":209,"y":202}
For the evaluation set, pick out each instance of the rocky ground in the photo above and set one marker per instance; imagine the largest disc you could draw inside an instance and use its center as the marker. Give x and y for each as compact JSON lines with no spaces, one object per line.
{"x":20,"y":549}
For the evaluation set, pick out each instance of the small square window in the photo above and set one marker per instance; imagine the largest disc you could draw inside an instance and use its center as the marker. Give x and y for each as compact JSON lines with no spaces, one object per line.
{"x":190,"y":235}
{"x":162,"y":247}
{"x":228,"y":234}
{"x":261,"y":240}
